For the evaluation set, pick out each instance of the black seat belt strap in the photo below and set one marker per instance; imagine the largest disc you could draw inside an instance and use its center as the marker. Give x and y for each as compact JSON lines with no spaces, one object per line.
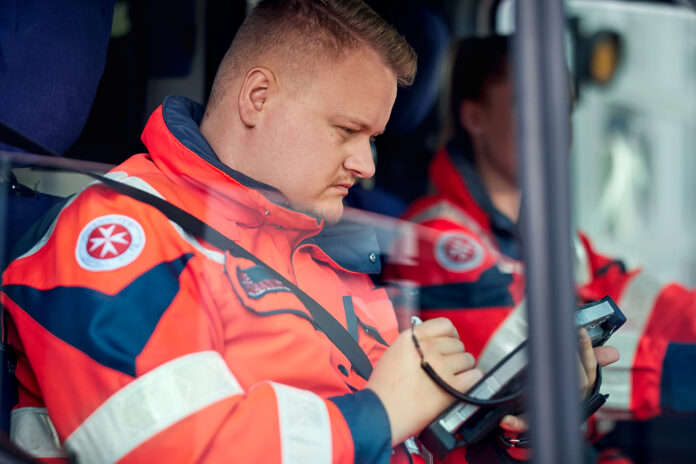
{"x":328,"y":324}
{"x":324,"y":320}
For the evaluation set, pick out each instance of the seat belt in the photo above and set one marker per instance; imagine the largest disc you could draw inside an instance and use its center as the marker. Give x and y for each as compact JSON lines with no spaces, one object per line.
{"x":323,"y":320}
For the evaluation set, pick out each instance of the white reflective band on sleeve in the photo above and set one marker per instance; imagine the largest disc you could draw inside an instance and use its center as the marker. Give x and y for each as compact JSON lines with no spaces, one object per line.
{"x":32,"y":430}
{"x":145,"y":187}
{"x":506,"y":338}
{"x":636,"y":303}
{"x":446,"y":210}
{"x":117,"y":175}
{"x":140,"y":184}
{"x":49,"y":232}
{"x":150,"y":404}
{"x":305,"y":430}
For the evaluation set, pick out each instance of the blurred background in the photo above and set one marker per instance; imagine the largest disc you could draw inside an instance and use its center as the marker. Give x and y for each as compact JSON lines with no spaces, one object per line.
{"x":633,"y":66}
{"x":633,"y":63}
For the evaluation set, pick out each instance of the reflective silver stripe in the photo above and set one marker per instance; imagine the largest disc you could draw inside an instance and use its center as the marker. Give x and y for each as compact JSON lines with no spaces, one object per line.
{"x":44,"y":239}
{"x":636,"y":304}
{"x":145,"y":187}
{"x":118,"y":175}
{"x":446,"y":210}
{"x":141,"y":185}
{"x":305,"y":430}
{"x":414,"y":448}
{"x":506,"y":338}
{"x":150,"y":404}
{"x":32,"y":430}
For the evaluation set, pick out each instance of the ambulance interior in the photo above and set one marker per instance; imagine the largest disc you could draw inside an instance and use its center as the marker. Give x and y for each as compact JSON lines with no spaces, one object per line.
{"x":633,"y":156}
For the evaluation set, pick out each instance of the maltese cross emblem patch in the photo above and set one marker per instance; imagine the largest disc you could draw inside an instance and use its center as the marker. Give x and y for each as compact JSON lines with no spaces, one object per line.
{"x":109,"y":242}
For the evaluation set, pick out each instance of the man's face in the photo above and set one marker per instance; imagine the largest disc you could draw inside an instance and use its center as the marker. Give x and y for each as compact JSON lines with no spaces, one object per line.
{"x":316,"y":141}
{"x":497,"y":137}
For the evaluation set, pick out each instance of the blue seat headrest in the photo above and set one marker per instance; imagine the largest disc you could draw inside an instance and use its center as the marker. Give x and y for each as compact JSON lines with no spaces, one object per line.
{"x":428,"y":34}
{"x":52,"y":56}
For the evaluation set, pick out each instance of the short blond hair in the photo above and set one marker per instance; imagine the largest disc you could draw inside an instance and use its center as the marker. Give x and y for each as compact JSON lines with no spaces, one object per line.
{"x":305,"y":33}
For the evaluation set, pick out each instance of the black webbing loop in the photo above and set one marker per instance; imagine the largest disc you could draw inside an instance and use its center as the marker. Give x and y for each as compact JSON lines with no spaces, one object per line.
{"x":595,"y":400}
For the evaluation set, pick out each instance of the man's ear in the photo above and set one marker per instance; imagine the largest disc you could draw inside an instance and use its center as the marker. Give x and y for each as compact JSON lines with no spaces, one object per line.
{"x":471,"y":116}
{"x":253,"y":95}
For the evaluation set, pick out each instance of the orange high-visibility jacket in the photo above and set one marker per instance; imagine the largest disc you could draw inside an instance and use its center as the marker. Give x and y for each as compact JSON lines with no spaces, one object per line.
{"x":469,"y":268}
{"x":143,"y":343}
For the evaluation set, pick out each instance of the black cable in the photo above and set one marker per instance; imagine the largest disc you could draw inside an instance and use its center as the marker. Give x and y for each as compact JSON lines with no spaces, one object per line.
{"x":504,"y":400}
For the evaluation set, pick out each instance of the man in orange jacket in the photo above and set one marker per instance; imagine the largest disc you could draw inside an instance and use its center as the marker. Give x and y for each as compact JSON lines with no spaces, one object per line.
{"x":138,"y":341}
{"x":469,"y":265}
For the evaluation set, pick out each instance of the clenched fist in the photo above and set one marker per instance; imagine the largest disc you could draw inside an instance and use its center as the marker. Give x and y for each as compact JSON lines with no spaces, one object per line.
{"x":412,"y":400}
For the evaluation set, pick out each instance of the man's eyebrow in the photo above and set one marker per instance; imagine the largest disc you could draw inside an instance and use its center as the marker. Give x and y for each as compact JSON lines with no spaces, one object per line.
{"x":354,"y":121}
{"x":357,"y":122}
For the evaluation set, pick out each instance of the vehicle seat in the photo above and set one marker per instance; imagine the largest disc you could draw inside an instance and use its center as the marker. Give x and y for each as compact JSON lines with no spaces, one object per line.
{"x":24,"y":207}
{"x":405,"y":149}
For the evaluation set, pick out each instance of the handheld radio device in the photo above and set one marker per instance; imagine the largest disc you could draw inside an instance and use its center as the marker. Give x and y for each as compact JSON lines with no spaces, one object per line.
{"x":466,"y":423}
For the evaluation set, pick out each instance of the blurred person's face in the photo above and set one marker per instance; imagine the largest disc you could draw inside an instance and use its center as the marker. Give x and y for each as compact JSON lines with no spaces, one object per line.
{"x":312,"y":144}
{"x":491,"y":123}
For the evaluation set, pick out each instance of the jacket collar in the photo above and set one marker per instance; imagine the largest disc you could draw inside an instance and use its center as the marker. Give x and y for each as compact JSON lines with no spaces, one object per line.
{"x":177,"y":146}
{"x":183,"y":117}
{"x":455,"y":176}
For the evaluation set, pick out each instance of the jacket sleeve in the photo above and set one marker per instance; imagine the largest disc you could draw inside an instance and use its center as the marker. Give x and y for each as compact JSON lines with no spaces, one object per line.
{"x":657,"y":343}
{"x":128,"y":362}
{"x":445,"y":269}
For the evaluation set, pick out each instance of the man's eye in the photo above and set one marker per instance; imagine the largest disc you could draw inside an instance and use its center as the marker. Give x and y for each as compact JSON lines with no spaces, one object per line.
{"x":348,"y":130}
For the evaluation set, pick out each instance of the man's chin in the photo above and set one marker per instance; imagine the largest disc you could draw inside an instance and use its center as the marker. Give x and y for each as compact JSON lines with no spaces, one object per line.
{"x":331,"y":214}
{"x":329,"y":221}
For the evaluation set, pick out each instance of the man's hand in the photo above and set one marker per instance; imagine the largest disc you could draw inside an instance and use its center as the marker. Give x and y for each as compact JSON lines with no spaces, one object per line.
{"x":409,"y":396}
{"x":588,"y":358}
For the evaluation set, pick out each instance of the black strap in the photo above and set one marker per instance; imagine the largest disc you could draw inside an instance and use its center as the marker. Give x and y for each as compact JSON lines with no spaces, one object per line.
{"x":333,"y":329}
{"x":589,"y":406}
{"x":595,"y":399}
{"x":12,"y":137}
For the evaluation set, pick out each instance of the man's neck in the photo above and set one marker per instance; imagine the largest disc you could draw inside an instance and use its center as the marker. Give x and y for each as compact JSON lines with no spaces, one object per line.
{"x":504,"y":194}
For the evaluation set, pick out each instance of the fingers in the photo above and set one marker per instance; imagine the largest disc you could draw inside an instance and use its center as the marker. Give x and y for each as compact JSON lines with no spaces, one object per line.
{"x":447,"y":357}
{"x":457,"y":362}
{"x":587,"y":359}
{"x":439,"y":327}
{"x":449,"y":345}
{"x":515,"y":424}
{"x":442,"y":349}
{"x":442,"y":345}
{"x":606,"y":355}
{"x":463,"y":381}
{"x":583,"y":379}
{"x":399,"y":379}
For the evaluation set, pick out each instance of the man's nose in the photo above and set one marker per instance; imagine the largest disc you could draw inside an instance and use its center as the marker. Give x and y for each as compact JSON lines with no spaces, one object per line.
{"x":360,"y":162}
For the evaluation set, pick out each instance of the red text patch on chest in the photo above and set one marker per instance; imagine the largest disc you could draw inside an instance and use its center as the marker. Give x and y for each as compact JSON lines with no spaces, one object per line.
{"x":257,"y":281}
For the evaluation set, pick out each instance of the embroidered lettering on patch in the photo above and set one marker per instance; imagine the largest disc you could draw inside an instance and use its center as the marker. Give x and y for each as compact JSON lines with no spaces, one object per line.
{"x":109,"y":242}
{"x":257,"y":281}
{"x":457,"y":252}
